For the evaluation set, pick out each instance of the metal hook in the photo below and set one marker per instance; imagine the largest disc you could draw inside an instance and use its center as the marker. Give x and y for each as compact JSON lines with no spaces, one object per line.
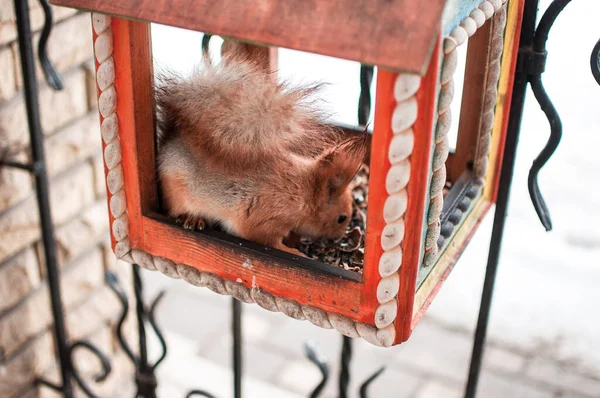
{"x":106,"y":368}
{"x":52,"y":76}
{"x":365,"y":386}
{"x":199,"y":393}
{"x":595,"y":62}
{"x":113,"y":283}
{"x":315,"y":357}
{"x":538,"y":58}
{"x":205,"y":43}
{"x":154,"y":325}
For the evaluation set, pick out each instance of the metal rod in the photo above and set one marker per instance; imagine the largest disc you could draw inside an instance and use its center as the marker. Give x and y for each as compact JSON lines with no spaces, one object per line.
{"x":42,"y":191}
{"x":364,"y":99}
{"x":512,"y":138}
{"x":140,"y":315}
{"x":344,"y":380}
{"x":205,"y":45}
{"x":237,"y":347}
{"x":145,"y":378}
{"x":17,"y":165}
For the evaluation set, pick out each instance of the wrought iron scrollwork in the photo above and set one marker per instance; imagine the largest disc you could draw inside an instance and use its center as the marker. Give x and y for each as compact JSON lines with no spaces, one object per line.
{"x":113,"y":283}
{"x":52,"y":76}
{"x":106,"y":368}
{"x":157,"y":332}
{"x":199,"y":393}
{"x":365,"y":385}
{"x":145,"y":373}
{"x":534,"y":61}
{"x":595,"y":62}
{"x":145,"y":378}
{"x":321,"y":362}
{"x":37,"y":167}
{"x":237,"y":355}
{"x":537,"y":86}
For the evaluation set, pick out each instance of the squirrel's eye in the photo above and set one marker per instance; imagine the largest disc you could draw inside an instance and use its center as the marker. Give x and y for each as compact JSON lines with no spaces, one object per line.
{"x":341,"y":219}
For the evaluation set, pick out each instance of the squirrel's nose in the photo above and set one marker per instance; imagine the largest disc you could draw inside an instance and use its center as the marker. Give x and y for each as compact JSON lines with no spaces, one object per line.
{"x":341,"y":219}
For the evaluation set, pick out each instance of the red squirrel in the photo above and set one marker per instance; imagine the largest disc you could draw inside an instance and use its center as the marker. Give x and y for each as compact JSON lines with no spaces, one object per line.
{"x":253,"y":155}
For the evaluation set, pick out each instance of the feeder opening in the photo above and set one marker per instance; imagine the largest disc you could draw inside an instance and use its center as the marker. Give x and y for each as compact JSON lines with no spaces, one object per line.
{"x":459,"y":88}
{"x":466,"y":106}
{"x":342,"y":255}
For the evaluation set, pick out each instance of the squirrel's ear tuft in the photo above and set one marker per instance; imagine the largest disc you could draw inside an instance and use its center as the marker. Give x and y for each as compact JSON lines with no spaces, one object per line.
{"x":336,"y":168}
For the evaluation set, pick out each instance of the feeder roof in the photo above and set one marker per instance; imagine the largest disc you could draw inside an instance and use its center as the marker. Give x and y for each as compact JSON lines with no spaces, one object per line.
{"x":395,"y":34}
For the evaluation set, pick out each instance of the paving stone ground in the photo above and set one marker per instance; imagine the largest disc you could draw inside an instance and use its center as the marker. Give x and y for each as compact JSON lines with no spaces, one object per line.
{"x":432,"y":364}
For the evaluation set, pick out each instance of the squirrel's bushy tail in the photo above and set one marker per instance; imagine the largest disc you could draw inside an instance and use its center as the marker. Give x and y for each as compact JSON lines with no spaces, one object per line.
{"x":237,"y":113}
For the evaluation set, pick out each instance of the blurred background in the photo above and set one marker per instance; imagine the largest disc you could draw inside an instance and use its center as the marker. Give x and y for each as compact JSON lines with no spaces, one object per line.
{"x":544,"y":333}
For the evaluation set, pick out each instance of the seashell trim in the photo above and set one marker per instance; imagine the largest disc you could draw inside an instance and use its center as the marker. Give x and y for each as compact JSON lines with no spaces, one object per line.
{"x":401,"y":146}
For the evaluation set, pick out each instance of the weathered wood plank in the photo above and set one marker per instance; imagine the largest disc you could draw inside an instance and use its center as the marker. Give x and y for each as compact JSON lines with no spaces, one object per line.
{"x":329,"y":293}
{"x":135,"y":108}
{"x":397,"y":34}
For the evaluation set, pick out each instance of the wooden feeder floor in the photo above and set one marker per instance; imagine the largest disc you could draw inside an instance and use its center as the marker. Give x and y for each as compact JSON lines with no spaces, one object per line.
{"x":348,"y":252}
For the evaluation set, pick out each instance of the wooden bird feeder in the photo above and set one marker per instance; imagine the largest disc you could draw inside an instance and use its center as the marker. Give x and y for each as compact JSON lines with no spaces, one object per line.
{"x":425,"y":201}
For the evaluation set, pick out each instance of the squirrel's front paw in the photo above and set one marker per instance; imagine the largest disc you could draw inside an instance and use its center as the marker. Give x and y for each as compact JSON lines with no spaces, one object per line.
{"x":292,"y":251}
{"x":192,"y":223}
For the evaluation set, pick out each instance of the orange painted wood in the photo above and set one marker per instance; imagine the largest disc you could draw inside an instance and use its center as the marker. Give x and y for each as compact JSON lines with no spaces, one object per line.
{"x":508,"y":97}
{"x":473,"y":95}
{"x":133,"y":82}
{"x":420,"y":163}
{"x":397,"y":34}
{"x":329,"y":293}
{"x":379,"y":167}
{"x":135,"y":112}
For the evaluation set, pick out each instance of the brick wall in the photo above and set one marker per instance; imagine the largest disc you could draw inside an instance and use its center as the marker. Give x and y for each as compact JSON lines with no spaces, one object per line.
{"x":73,"y":151}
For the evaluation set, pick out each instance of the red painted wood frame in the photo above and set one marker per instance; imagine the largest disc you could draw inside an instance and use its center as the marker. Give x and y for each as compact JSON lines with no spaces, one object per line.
{"x":418,"y":185}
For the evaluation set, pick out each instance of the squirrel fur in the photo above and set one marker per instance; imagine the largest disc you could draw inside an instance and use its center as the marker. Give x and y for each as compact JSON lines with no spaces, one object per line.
{"x":239,"y":149}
